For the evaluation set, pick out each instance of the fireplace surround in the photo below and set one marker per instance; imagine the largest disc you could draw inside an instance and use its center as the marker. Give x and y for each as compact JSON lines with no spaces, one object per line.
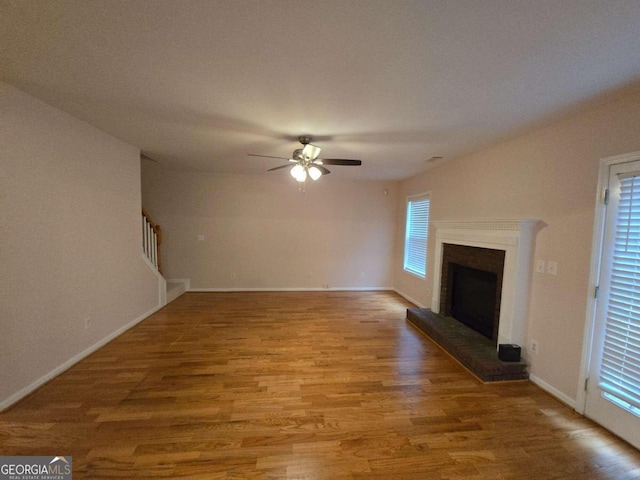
{"x":514,"y":240}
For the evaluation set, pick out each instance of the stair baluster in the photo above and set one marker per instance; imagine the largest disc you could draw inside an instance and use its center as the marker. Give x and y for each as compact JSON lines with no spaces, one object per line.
{"x":151,"y":240}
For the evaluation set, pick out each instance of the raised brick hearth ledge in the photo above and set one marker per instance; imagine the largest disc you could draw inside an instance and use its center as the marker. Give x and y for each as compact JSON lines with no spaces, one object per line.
{"x":473,"y":350}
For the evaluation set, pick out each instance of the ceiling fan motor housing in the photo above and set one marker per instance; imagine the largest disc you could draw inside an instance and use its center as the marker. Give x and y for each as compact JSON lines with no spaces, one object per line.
{"x":310,"y":152}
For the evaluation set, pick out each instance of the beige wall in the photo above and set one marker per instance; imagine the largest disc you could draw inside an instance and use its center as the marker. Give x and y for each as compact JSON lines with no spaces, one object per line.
{"x":262,"y":233}
{"x":70,"y":247}
{"x":550,"y":174}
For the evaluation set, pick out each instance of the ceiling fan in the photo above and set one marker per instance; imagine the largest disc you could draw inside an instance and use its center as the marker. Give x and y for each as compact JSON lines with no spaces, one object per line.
{"x":307,"y":163}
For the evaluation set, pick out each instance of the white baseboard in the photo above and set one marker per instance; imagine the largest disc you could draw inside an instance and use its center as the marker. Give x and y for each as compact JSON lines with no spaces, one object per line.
{"x":553,"y":391}
{"x":407,"y":297}
{"x":19,"y":395}
{"x":309,"y":289}
{"x":185,"y":281}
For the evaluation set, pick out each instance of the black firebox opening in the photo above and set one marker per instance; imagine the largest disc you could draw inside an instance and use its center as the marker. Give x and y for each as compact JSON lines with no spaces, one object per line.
{"x":473,"y":298}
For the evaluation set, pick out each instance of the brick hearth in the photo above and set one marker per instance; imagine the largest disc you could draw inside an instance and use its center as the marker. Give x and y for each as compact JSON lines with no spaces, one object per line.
{"x":472,"y":349}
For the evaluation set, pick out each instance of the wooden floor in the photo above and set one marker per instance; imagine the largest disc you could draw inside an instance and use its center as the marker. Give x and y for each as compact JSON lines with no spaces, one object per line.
{"x":326,"y":385}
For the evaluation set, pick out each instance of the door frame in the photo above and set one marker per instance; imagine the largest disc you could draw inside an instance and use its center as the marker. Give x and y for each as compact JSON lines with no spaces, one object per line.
{"x":594,"y":271}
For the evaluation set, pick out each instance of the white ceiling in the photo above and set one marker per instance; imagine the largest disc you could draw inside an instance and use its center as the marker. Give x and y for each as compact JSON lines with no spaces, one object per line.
{"x":200,"y":84}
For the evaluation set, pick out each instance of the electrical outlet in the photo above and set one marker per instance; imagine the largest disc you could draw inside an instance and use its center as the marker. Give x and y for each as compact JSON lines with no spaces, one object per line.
{"x":87,"y":323}
{"x":534,"y":347}
{"x":552,"y":268}
{"x":362,"y":275}
{"x":233,"y":275}
{"x":201,"y":238}
{"x":540,"y":266}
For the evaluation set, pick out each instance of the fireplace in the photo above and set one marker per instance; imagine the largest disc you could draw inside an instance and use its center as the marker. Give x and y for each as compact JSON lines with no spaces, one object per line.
{"x":471,"y":287}
{"x":473,"y":299}
{"x":480,"y":267}
{"x":502,"y":247}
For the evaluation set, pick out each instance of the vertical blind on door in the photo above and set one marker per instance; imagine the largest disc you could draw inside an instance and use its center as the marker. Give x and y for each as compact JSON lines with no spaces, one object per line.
{"x":620,"y":369}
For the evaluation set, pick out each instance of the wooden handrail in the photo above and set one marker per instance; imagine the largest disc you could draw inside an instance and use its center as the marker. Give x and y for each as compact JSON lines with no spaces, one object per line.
{"x":146,"y":215}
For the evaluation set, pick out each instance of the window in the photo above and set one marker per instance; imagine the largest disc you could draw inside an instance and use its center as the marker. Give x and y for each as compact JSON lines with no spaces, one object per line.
{"x":415,"y":240}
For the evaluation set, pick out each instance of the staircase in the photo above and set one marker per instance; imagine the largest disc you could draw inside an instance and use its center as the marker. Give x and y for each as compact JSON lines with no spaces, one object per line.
{"x":151,"y":242}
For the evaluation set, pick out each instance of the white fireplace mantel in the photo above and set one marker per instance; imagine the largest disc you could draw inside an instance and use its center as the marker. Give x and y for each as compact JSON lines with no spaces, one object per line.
{"x":515,"y":237}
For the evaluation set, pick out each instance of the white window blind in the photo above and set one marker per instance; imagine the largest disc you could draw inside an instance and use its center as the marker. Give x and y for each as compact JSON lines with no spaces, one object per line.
{"x":415,"y":243}
{"x":620,"y":369}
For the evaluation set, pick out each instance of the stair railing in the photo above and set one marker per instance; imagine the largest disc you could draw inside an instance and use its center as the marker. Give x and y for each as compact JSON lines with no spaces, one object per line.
{"x":151,"y":240}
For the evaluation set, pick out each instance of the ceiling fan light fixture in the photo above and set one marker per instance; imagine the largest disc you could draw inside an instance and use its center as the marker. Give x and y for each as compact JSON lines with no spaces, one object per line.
{"x":299,"y":173}
{"x":314,"y":173}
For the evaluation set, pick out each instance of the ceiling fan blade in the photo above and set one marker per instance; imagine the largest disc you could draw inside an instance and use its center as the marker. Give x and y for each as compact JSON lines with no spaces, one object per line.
{"x":340,"y":161}
{"x":324,"y":171}
{"x":278,"y":168}
{"x":266,"y":156}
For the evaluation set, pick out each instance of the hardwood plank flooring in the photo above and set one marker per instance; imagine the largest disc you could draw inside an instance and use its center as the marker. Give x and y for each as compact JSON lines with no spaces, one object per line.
{"x":300,"y":385}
